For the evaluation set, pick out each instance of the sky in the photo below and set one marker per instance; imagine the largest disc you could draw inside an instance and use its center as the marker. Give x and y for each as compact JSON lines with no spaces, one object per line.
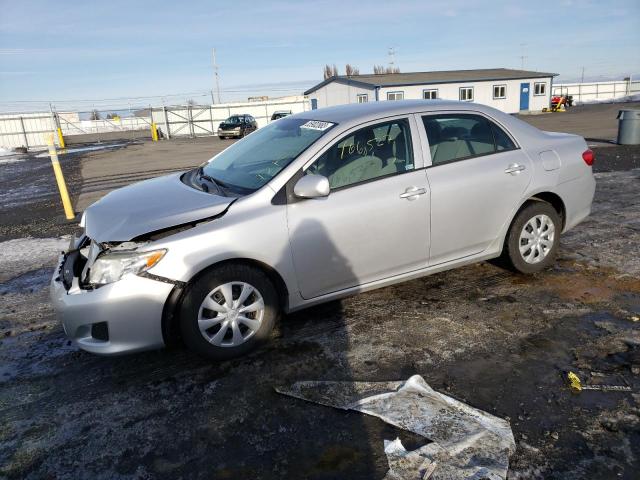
{"x":113,"y":54}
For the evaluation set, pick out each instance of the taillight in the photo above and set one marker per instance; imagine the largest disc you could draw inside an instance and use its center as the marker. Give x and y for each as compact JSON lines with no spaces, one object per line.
{"x":588,"y":157}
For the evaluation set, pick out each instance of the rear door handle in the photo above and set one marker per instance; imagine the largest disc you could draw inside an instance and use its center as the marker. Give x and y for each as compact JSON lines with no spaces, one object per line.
{"x":412,"y":193}
{"x":514,"y":168}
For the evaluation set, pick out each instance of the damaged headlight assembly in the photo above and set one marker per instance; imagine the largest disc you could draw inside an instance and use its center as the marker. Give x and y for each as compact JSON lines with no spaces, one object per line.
{"x":111,"y":267}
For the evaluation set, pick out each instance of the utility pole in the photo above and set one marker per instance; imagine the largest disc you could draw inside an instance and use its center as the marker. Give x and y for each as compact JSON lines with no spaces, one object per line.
{"x":523,"y":57}
{"x":582,"y":76}
{"x":215,"y":73}
{"x":392,"y":58}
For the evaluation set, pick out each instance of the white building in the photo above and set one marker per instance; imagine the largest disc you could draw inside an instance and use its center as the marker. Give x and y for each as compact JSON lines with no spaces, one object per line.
{"x":511,"y":91}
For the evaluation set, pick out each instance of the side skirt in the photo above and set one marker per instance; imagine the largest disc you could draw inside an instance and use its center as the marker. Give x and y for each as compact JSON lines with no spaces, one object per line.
{"x":298,"y":303}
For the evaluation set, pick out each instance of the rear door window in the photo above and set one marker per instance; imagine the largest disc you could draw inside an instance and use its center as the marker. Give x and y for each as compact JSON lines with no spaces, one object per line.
{"x":460,"y":136}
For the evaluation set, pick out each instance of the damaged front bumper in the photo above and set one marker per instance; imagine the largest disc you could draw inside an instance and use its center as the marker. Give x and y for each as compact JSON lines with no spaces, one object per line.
{"x":120,"y":317}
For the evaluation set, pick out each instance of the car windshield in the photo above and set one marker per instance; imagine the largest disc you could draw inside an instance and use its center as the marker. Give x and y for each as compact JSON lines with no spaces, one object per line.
{"x":252,"y":162}
{"x":232,"y":120}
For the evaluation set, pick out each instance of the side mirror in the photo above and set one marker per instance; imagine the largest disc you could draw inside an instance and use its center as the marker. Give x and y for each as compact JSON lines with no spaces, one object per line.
{"x":312,"y":186}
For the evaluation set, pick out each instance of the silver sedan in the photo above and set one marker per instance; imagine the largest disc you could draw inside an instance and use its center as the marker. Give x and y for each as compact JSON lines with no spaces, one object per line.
{"x":314,"y":207}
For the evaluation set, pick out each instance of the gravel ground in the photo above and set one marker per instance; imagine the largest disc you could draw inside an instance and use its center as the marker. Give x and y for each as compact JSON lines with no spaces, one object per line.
{"x":597,"y":122}
{"x":498,"y":341}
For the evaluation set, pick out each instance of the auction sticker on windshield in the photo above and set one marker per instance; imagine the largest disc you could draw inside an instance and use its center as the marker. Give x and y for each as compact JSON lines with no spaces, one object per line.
{"x":317,"y":125}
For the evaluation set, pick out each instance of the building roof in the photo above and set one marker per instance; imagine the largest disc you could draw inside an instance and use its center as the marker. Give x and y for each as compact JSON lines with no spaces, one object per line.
{"x":426,"y":78}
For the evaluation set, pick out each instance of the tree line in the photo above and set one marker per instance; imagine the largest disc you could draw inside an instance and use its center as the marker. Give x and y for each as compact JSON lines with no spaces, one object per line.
{"x":332,"y":71}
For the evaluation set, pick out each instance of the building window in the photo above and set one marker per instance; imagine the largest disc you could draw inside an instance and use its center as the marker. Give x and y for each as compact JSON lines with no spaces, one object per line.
{"x":430,"y":94}
{"x":466,"y":94}
{"x":362,"y":98}
{"x":540,"y":88}
{"x":499,"y":91}
{"x":395,"y":95}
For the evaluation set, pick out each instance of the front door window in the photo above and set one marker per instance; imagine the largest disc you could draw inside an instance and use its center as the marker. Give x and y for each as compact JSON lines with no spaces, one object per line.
{"x":369,"y":153}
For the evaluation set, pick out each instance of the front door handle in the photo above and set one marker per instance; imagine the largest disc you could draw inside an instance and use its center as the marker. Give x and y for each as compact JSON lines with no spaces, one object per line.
{"x":514,"y":169}
{"x":412,"y":193}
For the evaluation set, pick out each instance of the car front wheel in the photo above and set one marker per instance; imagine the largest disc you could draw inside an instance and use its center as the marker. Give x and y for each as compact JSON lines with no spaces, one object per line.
{"x":533,"y":239}
{"x":229,"y":311}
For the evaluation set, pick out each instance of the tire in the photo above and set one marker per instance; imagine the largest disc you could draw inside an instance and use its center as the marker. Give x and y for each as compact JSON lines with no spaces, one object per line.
{"x":543,"y":246}
{"x":254,"y":325}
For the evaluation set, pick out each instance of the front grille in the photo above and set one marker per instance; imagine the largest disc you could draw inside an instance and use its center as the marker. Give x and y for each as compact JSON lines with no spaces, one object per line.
{"x":100,"y":331}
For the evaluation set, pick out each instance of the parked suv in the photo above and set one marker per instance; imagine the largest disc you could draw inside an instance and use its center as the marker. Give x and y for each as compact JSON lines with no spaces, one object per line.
{"x":314,"y":207}
{"x":237,"y":126}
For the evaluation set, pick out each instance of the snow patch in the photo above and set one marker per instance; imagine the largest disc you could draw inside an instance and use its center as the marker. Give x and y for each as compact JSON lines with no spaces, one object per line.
{"x":9,"y":156}
{"x":625,"y":99}
{"x":22,"y":255}
{"x":12,"y":160}
{"x":83,"y":149}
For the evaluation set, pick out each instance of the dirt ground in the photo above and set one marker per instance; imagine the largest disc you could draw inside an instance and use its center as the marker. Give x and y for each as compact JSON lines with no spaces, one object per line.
{"x":495,"y":340}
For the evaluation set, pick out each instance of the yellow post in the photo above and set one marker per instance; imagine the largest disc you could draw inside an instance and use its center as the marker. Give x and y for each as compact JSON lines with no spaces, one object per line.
{"x":62,"y":186}
{"x":154,"y":132}
{"x":60,"y":138}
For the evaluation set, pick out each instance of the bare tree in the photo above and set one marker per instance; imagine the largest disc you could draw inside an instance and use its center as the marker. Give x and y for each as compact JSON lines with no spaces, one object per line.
{"x":351,"y":70}
{"x":94,"y":115}
{"x":191,"y":102}
{"x":381,"y":70}
{"x":330,"y":71}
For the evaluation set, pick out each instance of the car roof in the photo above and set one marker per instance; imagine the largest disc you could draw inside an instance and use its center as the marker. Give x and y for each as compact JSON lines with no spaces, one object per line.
{"x":356,"y":111}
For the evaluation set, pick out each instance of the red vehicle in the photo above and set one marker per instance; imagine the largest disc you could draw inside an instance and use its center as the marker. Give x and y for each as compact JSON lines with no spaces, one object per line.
{"x":558,"y":101}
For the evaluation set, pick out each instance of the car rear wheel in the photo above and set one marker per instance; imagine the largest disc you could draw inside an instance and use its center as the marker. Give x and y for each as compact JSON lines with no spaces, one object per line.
{"x":229,"y":311}
{"x":533,"y":239}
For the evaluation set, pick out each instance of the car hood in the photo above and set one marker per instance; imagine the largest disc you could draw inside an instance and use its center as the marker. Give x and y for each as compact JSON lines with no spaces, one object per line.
{"x":149,"y":206}
{"x":230,"y":125}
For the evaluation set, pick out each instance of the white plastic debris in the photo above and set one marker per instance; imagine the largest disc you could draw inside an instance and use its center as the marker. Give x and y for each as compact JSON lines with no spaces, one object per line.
{"x":467,"y":443}
{"x":404,"y":464}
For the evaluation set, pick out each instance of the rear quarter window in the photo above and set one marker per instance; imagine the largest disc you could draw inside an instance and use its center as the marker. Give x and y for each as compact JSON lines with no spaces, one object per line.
{"x":503,"y":141}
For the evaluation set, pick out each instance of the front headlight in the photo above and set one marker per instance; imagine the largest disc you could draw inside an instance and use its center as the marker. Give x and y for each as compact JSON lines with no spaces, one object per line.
{"x":111,"y":267}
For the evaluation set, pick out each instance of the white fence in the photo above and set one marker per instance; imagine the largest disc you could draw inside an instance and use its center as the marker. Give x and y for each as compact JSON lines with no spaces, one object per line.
{"x":83,"y":127}
{"x":26,"y":130}
{"x":598,"y":91}
{"x":203,"y":120}
{"x":31,"y":130}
